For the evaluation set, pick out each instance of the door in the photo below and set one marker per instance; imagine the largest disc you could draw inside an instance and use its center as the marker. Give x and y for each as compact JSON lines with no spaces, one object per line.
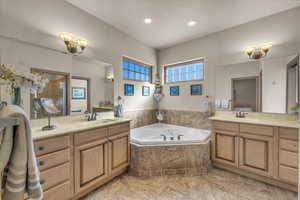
{"x":225,"y":147}
{"x":292,"y":85}
{"x":91,"y":164}
{"x":256,"y":154}
{"x":119,"y":152}
{"x":245,"y":94}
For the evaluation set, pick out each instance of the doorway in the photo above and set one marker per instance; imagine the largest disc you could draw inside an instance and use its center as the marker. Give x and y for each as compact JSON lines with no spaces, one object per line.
{"x":80,"y":93}
{"x":292,"y":85}
{"x":244,"y":94}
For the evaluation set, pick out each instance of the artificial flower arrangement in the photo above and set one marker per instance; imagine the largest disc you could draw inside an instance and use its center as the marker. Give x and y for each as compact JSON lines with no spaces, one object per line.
{"x":15,"y":81}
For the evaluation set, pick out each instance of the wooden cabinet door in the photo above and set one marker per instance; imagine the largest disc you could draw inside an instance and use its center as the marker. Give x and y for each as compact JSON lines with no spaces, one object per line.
{"x":256,"y":154}
{"x":225,"y":147}
{"x":119,"y":152}
{"x":91,"y":164}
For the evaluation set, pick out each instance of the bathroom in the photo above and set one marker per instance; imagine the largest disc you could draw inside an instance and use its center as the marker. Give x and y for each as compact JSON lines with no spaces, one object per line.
{"x":134,"y":112}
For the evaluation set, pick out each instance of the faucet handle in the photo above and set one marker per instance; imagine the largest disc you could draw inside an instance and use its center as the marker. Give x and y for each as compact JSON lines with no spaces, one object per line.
{"x":179,"y":137}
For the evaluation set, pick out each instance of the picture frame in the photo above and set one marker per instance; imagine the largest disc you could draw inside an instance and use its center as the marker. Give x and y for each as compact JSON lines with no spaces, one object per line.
{"x":128,"y":89}
{"x":146,"y":91}
{"x":196,"y":89}
{"x":174,"y":90}
{"x":78,"y":93}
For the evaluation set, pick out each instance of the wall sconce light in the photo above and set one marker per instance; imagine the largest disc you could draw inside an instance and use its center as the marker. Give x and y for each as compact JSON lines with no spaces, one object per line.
{"x":257,"y":52}
{"x":74,"y":45}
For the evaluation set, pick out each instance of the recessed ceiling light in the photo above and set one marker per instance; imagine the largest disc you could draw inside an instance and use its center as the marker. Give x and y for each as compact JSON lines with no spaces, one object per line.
{"x":191,"y":23}
{"x":147,"y":20}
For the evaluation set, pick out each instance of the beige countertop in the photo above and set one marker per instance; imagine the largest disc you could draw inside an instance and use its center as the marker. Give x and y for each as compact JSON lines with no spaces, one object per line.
{"x":70,"y":124}
{"x":260,"y":120}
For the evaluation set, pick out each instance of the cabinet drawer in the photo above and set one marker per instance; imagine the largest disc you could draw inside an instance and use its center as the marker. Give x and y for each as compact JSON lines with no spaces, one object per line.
{"x":227,"y":126}
{"x":258,"y":130}
{"x":288,"y":158}
{"x":90,"y":136}
{"x":117,"y":129}
{"x":51,"y":145}
{"x":61,"y":192}
{"x":53,"y":159}
{"x":288,"y":174}
{"x":288,"y":133}
{"x":55,"y":176}
{"x":289,"y":145}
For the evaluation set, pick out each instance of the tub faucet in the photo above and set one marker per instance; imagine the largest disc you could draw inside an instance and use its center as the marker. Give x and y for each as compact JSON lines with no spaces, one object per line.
{"x":179,"y":137}
{"x":164,"y":136}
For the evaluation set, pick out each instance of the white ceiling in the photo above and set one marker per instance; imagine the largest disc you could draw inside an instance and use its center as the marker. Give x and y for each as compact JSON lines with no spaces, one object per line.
{"x":171,"y":16}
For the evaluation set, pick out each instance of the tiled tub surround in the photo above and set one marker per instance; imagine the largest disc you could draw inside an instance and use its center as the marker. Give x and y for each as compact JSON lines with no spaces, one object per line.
{"x":194,"y":119}
{"x":184,"y":151}
{"x":170,"y":160}
{"x":141,"y":117}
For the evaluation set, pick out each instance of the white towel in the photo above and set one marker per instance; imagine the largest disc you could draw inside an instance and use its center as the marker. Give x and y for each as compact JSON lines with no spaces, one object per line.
{"x":22,"y":171}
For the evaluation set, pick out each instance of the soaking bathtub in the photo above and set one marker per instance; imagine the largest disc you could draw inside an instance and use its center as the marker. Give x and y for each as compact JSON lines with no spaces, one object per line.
{"x":167,"y":134}
{"x":165,"y":149}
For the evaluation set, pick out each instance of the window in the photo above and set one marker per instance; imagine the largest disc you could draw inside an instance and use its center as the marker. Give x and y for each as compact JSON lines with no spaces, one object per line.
{"x":134,"y":70}
{"x":188,"y":71}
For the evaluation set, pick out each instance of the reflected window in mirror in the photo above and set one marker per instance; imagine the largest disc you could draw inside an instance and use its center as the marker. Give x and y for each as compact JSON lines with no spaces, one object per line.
{"x":56,"y":90}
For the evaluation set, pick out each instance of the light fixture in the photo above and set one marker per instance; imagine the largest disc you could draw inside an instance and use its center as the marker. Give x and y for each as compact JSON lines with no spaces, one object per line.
{"x":257,"y":52}
{"x":74,"y":45}
{"x":191,"y":23}
{"x":147,"y":20}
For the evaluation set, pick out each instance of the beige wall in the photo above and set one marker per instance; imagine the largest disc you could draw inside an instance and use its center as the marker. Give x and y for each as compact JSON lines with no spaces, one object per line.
{"x":226,"y":48}
{"x":38,"y":23}
{"x":274,"y":85}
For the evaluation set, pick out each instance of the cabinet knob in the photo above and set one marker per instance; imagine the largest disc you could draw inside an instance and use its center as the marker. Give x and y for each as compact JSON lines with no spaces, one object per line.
{"x":42,"y":181}
{"x":41,"y":163}
{"x":41,"y":148}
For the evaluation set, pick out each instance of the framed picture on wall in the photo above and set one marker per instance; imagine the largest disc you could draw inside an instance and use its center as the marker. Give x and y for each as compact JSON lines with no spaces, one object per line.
{"x":174,"y":90}
{"x":146,"y":91}
{"x":196,"y":89}
{"x":78,"y":93}
{"x":128,"y":89}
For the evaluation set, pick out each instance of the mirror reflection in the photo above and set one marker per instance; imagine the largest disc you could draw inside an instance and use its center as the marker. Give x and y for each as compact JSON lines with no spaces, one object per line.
{"x":89,"y":88}
{"x":270,"y":86}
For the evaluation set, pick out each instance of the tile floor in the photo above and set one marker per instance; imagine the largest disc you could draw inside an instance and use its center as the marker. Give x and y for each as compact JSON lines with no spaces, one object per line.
{"x":217,"y":185}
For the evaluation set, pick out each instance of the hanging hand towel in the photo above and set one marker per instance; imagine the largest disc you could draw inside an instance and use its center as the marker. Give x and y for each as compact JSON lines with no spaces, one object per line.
{"x":23,"y":175}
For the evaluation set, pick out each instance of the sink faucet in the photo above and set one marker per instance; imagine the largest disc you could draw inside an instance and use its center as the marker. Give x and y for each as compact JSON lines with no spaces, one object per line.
{"x":179,"y":137}
{"x":91,"y":116}
{"x":164,"y":136}
{"x":240,"y":114}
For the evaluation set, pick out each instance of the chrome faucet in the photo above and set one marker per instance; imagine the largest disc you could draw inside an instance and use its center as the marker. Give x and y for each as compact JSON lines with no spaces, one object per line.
{"x":91,"y":116}
{"x":164,"y":136}
{"x":240,"y":114}
{"x":179,"y":137}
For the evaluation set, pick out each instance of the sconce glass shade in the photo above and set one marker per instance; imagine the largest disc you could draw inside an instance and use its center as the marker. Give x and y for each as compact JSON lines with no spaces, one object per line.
{"x":82,"y":43}
{"x":66,"y":37}
{"x":74,"y":45}
{"x":257,"y":52}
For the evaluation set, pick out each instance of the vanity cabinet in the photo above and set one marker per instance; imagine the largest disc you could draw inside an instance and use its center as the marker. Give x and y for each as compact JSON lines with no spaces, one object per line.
{"x":55,"y":162}
{"x":119,"y":147}
{"x":225,"y":143}
{"x":256,"y":154}
{"x":77,"y":163}
{"x":288,"y":155}
{"x":266,"y":153}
